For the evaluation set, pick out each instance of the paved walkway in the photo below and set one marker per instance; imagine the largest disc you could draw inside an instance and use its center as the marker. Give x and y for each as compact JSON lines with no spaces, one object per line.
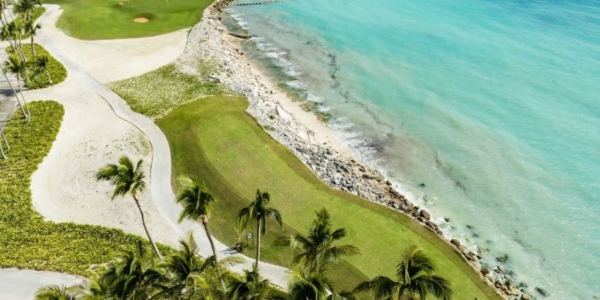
{"x":18,"y":284}
{"x":160,"y":175}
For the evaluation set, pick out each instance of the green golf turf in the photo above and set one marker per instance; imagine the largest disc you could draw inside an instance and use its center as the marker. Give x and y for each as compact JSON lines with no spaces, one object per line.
{"x":214,"y":140}
{"x":114,"y":19}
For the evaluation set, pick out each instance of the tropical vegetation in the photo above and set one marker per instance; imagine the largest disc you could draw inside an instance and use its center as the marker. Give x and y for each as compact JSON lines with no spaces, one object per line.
{"x":183,"y":275}
{"x":415,"y":279}
{"x":259,"y":211}
{"x":31,"y":63}
{"x":128,"y":179}
{"x":196,"y":207}
{"x":43,"y":70}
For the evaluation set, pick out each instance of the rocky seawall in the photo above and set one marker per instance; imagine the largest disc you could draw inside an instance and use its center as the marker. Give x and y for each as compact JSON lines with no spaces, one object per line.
{"x":210,"y":41}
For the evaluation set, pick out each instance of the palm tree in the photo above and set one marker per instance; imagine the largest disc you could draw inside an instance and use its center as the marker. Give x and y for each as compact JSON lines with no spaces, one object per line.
{"x":26,"y":7}
{"x":16,"y":66}
{"x":13,"y":31}
{"x":305,"y":285}
{"x":31,"y":29}
{"x":131,"y":275}
{"x":188,"y":276}
{"x":54,"y":292}
{"x":253,"y":287}
{"x":317,"y":249}
{"x":93,"y":290}
{"x":258,"y":210}
{"x":416,"y":279}
{"x":127,"y":179}
{"x":196,"y":206}
{"x":41,"y":66}
{"x":316,"y":252}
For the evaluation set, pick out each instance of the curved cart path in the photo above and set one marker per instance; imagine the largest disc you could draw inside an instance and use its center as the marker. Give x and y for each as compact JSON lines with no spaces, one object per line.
{"x":95,"y":118}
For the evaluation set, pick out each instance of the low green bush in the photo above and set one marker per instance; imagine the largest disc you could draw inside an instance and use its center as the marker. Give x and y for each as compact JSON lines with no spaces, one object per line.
{"x":26,"y":240}
{"x":156,"y":93}
{"x":55,"y":69}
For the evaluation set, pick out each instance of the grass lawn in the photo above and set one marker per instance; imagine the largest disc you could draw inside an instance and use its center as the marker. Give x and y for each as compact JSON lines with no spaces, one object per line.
{"x":213,"y":139}
{"x":26,"y":240}
{"x":114,"y":19}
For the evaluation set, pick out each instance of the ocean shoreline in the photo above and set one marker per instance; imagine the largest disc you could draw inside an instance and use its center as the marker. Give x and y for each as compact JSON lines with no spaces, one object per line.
{"x":311,"y":140}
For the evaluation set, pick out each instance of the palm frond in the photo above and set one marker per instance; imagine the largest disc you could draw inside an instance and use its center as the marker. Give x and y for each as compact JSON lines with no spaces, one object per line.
{"x":381,"y":286}
{"x":107,"y":172}
{"x":54,"y":292}
{"x":243,"y":216}
{"x":338,"y":234}
{"x":334,"y":253}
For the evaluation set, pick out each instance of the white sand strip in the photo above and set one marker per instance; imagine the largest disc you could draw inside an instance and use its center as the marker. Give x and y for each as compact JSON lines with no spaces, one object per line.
{"x":23,"y":284}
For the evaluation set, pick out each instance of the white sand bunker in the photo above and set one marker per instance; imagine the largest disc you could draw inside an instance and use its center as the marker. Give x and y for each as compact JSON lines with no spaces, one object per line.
{"x":141,"y":20}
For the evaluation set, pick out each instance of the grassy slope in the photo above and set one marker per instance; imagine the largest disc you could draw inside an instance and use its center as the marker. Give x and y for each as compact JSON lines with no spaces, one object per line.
{"x":156,"y":93}
{"x":109,"y":19}
{"x":26,"y":240}
{"x":216,"y":141}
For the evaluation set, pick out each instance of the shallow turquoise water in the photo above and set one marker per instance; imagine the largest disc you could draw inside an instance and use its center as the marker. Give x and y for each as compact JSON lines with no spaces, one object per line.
{"x":493,"y":105}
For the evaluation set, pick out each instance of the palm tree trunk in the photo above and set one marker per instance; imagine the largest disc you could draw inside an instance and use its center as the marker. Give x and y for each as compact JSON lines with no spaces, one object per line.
{"x":137,"y":202}
{"x":258,"y":227}
{"x":49,"y":78}
{"x":32,"y":47}
{"x":27,"y":116}
{"x":15,"y":92}
{"x":212,"y":245}
{"x":11,"y":14}
{"x":18,"y":49}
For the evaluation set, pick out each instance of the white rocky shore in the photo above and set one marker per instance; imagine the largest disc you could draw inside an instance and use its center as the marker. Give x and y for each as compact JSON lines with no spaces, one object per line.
{"x":307,"y":137}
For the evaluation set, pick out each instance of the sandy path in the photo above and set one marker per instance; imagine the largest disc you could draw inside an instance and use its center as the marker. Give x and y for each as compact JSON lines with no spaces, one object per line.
{"x":99,"y":127}
{"x":112,"y":60}
{"x":22,"y":284}
{"x":91,"y":135}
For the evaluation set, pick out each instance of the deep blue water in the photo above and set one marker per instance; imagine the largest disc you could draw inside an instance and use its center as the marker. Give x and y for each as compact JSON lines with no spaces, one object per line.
{"x":493,"y":105}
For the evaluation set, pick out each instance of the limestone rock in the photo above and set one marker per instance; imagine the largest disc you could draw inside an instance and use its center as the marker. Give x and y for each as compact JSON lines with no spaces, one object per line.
{"x":526,"y":297}
{"x":455,"y":242}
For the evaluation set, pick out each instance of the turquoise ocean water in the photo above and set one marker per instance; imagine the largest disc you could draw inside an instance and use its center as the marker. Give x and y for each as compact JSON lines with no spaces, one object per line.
{"x":487,"y":112}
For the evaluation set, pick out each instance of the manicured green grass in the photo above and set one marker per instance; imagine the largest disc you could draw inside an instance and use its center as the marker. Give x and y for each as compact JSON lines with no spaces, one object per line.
{"x":156,"y":93}
{"x":56,"y":70}
{"x":214,"y":140}
{"x":113,"y":19}
{"x":26,"y":240}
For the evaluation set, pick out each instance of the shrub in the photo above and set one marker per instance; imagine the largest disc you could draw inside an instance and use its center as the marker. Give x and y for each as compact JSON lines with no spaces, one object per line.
{"x":56,"y":70}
